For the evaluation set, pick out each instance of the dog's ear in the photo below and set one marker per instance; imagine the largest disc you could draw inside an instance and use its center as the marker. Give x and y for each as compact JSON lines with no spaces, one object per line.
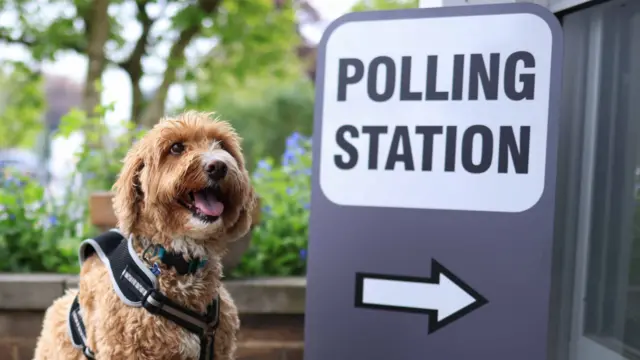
{"x":253,"y":206}
{"x":248,"y":217}
{"x":128,"y":192}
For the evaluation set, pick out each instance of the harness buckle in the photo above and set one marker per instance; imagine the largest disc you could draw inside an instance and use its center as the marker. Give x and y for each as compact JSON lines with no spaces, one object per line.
{"x":211,"y":329}
{"x":150,"y":301}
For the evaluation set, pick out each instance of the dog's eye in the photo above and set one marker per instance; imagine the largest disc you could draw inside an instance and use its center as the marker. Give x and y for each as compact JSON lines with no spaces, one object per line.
{"x":221,"y":145}
{"x":177,"y":148}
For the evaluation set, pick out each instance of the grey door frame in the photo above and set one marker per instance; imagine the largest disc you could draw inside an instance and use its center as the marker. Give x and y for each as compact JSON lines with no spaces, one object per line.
{"x":583,"y":347}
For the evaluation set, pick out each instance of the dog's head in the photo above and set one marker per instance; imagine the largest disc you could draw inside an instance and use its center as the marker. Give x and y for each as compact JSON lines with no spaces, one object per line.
{"x":185,"y":179}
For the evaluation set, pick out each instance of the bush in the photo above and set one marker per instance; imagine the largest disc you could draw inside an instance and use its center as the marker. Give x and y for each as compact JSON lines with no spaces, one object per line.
{"x":265,"y":113}
{"x":279,"y":243}
{"x":39,"y":233}
{"x":36,"y":234}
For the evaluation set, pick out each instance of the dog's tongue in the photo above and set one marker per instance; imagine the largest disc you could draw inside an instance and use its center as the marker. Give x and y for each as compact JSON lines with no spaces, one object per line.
{"x":207,"y":203}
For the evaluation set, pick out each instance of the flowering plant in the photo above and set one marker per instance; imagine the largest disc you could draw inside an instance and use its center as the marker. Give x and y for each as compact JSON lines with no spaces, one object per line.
{"x":36,"y":234}
{"x":40,"y":232}
{"x":279,"y":243}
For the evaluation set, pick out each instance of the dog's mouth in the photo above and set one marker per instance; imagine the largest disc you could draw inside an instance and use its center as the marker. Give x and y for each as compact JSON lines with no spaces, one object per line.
{"x":205,"y":204}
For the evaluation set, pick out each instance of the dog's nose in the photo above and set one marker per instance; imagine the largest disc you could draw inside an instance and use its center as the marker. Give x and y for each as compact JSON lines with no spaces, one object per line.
{"x":216,"y":170}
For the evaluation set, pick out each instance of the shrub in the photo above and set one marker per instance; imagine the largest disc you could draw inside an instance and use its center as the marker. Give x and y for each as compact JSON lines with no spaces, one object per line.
{"x":36,"y":234}
{"x":40,"y":233}
{"x":265,"y":113}
{"x":279,"y":243}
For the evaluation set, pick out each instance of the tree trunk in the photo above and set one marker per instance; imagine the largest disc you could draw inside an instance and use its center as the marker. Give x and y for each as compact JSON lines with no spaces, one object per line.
{"x":155,"y":109}
{"x":133,"y":65}
{"x":137,"y":105}
{"x":97,"y":36}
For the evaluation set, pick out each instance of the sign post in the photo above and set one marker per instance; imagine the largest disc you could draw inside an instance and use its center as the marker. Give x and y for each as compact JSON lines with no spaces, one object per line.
{"x":433,"y":189}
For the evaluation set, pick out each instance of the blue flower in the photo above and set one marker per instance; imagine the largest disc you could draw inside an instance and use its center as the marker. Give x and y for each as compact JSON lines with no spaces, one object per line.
{"x":290,"y":191}
{"x":293,"y":139}
{"x":266,"y":209}
{"x":288,"y":158}
{"x":306,"y":206}
{"x":12,"y":217}
{"x":11,"y":181}
{"x":53,"y":220}
{"x":307,"y":172}
{"x":303,"y":254}
{"x":264,"y":165}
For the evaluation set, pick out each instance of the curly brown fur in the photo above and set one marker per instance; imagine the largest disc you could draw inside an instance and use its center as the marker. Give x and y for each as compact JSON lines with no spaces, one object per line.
{"x":148,"y":194}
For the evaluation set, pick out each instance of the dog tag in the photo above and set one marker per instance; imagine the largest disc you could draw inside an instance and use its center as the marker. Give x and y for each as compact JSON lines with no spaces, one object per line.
{"x":155,"y":269}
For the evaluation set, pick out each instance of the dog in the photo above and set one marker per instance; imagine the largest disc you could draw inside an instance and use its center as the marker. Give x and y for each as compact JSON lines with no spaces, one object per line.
{"x":164,"y":195}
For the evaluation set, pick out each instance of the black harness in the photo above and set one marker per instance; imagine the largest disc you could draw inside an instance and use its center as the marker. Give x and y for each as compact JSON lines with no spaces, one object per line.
{"x":137,"y":286}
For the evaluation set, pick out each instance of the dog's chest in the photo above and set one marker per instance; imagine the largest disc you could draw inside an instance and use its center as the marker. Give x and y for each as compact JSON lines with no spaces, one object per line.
{"x":189,"y":347}
{"x":159,"y":337}
{"x":137,"y":329}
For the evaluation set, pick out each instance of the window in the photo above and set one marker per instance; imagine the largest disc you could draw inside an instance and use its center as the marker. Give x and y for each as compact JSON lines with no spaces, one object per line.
{"x":602,"y":66}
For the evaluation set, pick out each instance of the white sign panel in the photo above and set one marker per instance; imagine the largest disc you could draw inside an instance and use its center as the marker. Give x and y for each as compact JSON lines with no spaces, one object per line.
{"x":443,"y":113}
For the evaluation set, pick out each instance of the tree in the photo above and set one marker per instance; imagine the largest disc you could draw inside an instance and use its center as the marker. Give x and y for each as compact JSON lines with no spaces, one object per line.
{"x":21,"y":106}
{"x":247,"y":34}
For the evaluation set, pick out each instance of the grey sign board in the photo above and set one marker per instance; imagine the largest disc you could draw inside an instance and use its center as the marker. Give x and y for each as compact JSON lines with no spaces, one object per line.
{"x":433,"y":188}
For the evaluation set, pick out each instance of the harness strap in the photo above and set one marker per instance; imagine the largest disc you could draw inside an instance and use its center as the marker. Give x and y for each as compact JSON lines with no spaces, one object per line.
{"x":77,"y":330}
{"x":155,"y":302}
{"x":117,"y":253}
{"x":137,"y":286}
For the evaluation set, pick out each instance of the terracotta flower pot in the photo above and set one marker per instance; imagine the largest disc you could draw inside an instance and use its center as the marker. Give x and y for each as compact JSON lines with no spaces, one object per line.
{"x":102,"y":216}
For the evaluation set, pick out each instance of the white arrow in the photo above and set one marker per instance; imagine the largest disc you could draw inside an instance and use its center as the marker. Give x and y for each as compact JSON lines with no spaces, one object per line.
{"x":443,"y":296}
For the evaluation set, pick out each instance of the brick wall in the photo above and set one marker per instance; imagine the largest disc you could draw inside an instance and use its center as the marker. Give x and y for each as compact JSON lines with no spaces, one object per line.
{"x":271,"y":337}
{"x":271,"y":314}
{"x":18,"y":332}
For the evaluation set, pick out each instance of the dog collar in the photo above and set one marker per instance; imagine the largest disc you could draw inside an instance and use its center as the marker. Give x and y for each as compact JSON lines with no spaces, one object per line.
{"x":171,"y":259}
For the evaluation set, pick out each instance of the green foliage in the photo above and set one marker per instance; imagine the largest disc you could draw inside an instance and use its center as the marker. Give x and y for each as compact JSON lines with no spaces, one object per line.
{"x":21,"y":107}
{"x":249,"y":37}
{"x":100,"y":156}
{"x":369,"y":5}
{"x":252,"y":76}
{"x":256,"y":40}
{"x":279,"y":243}
{"x":36,"y":234}
{"x":40,"y":233}
{"x":265,"y":112}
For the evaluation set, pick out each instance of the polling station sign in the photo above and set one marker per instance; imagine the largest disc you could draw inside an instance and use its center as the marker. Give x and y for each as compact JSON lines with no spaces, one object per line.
{"x":433,"y":188}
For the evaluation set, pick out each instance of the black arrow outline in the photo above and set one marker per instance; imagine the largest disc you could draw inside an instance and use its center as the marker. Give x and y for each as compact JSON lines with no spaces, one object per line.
{"x":436,"y":270}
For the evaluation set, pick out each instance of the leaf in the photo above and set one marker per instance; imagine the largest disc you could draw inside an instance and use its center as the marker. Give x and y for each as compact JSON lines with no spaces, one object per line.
{"x":71,"y":122}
